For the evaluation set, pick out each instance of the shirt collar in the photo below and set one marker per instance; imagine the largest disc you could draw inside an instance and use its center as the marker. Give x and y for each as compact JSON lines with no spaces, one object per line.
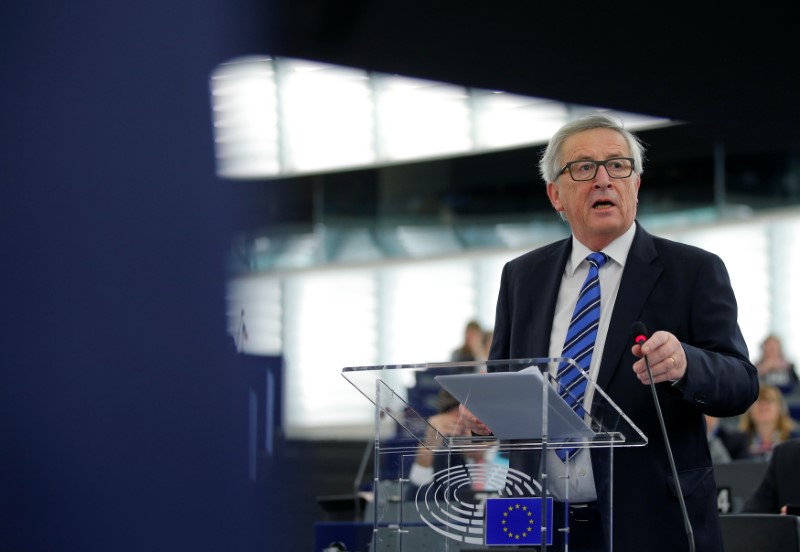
{"x":617,"y":250}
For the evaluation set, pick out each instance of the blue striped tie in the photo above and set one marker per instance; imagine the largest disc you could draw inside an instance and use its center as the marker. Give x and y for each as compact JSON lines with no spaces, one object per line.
{"x":579,"y":342}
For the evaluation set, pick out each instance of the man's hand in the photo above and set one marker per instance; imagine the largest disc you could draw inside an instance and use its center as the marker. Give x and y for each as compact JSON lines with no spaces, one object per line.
{"x":448,"y":424}
{"x":666,"y":356}
{"x":472,"y":423}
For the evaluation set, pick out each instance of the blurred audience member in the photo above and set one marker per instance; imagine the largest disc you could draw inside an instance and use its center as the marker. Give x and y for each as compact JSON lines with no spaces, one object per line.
{"x":774,"y":368}
{"x":780,"y":485}
{"x":423,"y":394}
{"x":725,"y":444}
{"x":427,"y":463}
{"x":473,"y":347}
{"x":767,"y":422}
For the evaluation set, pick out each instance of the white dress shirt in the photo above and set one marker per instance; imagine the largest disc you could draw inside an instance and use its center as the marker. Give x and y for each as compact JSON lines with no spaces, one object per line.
{"x":579,"y":487}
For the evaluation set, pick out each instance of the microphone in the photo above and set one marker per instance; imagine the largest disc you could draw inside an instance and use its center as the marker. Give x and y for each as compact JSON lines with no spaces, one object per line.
{"x":640,"y":336}
{"x":639,"y":332}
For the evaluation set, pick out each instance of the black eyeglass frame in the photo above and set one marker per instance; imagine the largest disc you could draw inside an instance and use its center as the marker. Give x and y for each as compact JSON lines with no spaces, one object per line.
{"x":597,"y":165}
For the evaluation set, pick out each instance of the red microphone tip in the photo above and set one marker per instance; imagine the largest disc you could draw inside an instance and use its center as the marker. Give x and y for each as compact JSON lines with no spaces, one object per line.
{"x":639,"y":330}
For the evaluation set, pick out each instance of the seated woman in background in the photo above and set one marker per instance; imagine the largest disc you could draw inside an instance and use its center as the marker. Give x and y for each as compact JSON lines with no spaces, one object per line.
{"x":767,"y":422}
{"x":774,"y":368}
{"x":473,"y":347}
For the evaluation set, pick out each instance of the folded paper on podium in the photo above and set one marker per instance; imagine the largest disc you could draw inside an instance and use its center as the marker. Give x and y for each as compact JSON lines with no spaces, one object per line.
{"x":438,"y":487}
{"x":502,"y":400}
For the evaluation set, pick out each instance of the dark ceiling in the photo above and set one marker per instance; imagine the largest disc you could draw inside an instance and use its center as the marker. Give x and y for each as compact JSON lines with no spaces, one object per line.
{"x":732,"y":77}
{"x":735,"y":74}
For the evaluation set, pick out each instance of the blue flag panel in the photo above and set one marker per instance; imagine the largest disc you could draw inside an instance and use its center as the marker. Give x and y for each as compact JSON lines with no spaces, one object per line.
{"x":514,"y":521}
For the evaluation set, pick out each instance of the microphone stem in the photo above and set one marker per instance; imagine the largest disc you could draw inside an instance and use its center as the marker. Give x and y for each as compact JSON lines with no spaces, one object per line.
{"x":686,"y":522}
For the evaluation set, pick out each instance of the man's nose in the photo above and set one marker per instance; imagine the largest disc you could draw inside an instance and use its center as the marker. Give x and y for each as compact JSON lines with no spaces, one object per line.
{"x":602,"y":178}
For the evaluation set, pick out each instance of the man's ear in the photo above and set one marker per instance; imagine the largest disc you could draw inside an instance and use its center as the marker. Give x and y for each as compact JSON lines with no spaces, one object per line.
{"x":552,"y":193}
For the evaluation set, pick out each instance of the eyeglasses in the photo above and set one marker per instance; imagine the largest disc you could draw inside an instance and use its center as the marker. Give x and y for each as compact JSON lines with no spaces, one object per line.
{"x":586,"y":169}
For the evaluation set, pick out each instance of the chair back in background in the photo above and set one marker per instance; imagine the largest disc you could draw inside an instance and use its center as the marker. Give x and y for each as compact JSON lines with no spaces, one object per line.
{"x":736,"y":481}
{"x":760,"y":532}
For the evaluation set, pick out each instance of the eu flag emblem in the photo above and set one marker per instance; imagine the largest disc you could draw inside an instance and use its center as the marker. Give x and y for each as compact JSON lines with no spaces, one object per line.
{"x":513,"y":521}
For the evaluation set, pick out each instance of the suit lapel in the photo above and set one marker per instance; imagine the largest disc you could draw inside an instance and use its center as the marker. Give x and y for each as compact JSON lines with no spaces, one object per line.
{"x":544,"y":294}
{"x":638,"y":279}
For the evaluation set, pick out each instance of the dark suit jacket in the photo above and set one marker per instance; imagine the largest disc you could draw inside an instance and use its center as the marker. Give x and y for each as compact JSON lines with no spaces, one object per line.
{"x":781,"y":483}
{"x":667,"y":286}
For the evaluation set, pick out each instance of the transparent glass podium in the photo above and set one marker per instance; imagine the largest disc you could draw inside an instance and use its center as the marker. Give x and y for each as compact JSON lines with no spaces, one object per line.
{"x":478,"y":493}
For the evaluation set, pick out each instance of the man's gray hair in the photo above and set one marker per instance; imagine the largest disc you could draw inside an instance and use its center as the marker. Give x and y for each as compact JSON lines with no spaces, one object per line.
{"x":551,"y":162}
